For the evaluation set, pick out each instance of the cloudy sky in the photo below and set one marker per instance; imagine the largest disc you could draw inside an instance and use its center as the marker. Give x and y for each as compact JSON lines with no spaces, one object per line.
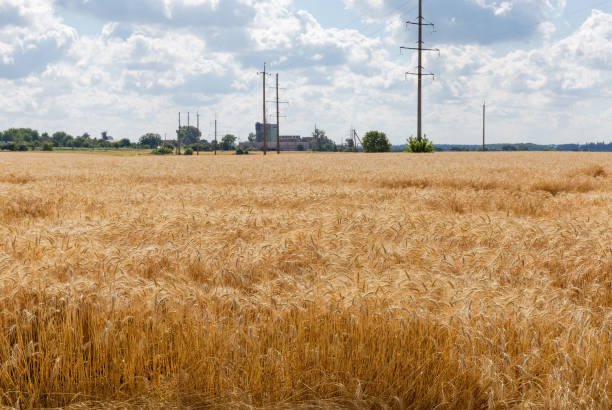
{"x":129,"y":66}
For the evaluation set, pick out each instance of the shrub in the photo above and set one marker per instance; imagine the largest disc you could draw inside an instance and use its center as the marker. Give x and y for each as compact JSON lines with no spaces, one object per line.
{"x":163,"y":151}
{"x":240,"y":151}
{"x":189,"y":151}
{"x":300,"y":147}
{"x":419,"y":144}
{"x":22,"y":147}
{"x":47,"y":146}
{"x":376,"y":141}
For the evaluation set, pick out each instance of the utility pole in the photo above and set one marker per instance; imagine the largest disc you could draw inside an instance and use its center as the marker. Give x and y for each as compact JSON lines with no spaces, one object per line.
{"x":278,"y":116}
{"x":178,"y":137}
{"x":277,"y":120}
{"x":215,"y":134}
{"x":265,"y":125}
{"x":484,"y":123}
{"x":419,"y":72}
{"x":188,"y":118}
{"x":198,"y":136}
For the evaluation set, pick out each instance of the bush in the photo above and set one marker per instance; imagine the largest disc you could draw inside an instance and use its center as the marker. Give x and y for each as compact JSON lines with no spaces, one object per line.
{"x":22,"y":147}
{"x":419,"y":145}
{"x":240,"y":151}
{"x":300,"y":147}
{"x":47,"y":146}
{"x":375,"y":141}
{"x":163,"y":151}
{"x":189,"y":151}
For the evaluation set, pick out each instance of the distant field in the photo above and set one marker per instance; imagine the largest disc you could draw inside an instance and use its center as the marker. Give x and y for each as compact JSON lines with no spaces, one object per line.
{"x":457,"y":280}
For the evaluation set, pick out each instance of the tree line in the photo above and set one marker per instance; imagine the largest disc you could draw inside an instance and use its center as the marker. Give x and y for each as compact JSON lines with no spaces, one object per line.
{"x":27,"y":139}
{"x":189,"y":139}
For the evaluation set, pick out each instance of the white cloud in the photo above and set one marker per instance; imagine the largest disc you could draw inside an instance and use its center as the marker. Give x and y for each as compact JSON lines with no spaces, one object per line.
{"x":30,"y":36}
{"x":139,"y":70}
{"x":469,"y":21}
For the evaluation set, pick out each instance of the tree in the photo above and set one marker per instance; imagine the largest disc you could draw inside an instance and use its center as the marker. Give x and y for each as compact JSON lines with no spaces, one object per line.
{"x":376,"y":141}
{"x":124,"y":143}
{"x":252,"y":137}
{"x":205,"y":145}
{"x":47,"y":146}
{"x":165,"y":150}
{"x":20,"y":135}
{"x":228,"y":142}
{"x":68,"y":141}
{"x":320,"y":142}
{"x":150,"y":140}
{"x":58,"y":138}
{"x":188,"y":135}
{"x":419,"y":145}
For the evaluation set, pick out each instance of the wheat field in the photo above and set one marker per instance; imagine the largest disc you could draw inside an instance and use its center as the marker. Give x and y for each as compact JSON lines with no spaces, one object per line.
{"x":449,"y":281}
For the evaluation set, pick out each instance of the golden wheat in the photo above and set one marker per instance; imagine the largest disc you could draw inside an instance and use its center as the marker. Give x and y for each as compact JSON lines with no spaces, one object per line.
{"x":310,"y":281}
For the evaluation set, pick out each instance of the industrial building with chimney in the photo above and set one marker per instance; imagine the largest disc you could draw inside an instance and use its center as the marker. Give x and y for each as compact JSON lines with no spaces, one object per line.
{"x":287,"y":142}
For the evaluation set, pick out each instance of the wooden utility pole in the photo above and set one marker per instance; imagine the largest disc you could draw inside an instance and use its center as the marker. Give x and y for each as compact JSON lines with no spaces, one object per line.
{"x":264,"y":73}
{"x":198,"y":136}
{"x":484,"y":123}
{"x":277,"y":120}
{"x":419,"y":72}
{"x":178,"y":137}
{"x":215,"y":134}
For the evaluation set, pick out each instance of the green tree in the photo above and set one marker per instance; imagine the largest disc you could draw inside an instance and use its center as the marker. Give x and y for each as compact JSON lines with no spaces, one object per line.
{"x":228,"y":142}
{"x":376,"y":141}
{"x":150,"y":140}
{"x":165,"y":150}
{"x":58,"y":138}
{"x":79,"y":142}
{"x":125,"y":143}
{"x":252,"y":137}
{"x":320,"y":142}
{"x":47,"y":146}
{"x":188,"y":135}
{"x":68,"y":141}
{"x":419,"y":144}
{"x":20,"y":135}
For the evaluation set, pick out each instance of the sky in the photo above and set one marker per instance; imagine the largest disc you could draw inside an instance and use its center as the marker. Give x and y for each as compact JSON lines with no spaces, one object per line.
{"x":544,"y":67}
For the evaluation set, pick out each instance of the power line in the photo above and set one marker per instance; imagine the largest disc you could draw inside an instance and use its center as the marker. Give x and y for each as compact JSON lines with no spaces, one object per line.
{"x":198,"y":136}
{"x":419,"y":72}
{"x":215,"y":134}
{"x":277,"y":120}
{"x":278,"y":116}
{"x":178,"y":136}
{"x":484,"y":116}
{"x":264,"y":73}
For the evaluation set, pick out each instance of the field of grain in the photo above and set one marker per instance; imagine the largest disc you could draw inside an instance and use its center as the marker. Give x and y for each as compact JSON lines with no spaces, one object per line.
{"x":466,"y":280}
